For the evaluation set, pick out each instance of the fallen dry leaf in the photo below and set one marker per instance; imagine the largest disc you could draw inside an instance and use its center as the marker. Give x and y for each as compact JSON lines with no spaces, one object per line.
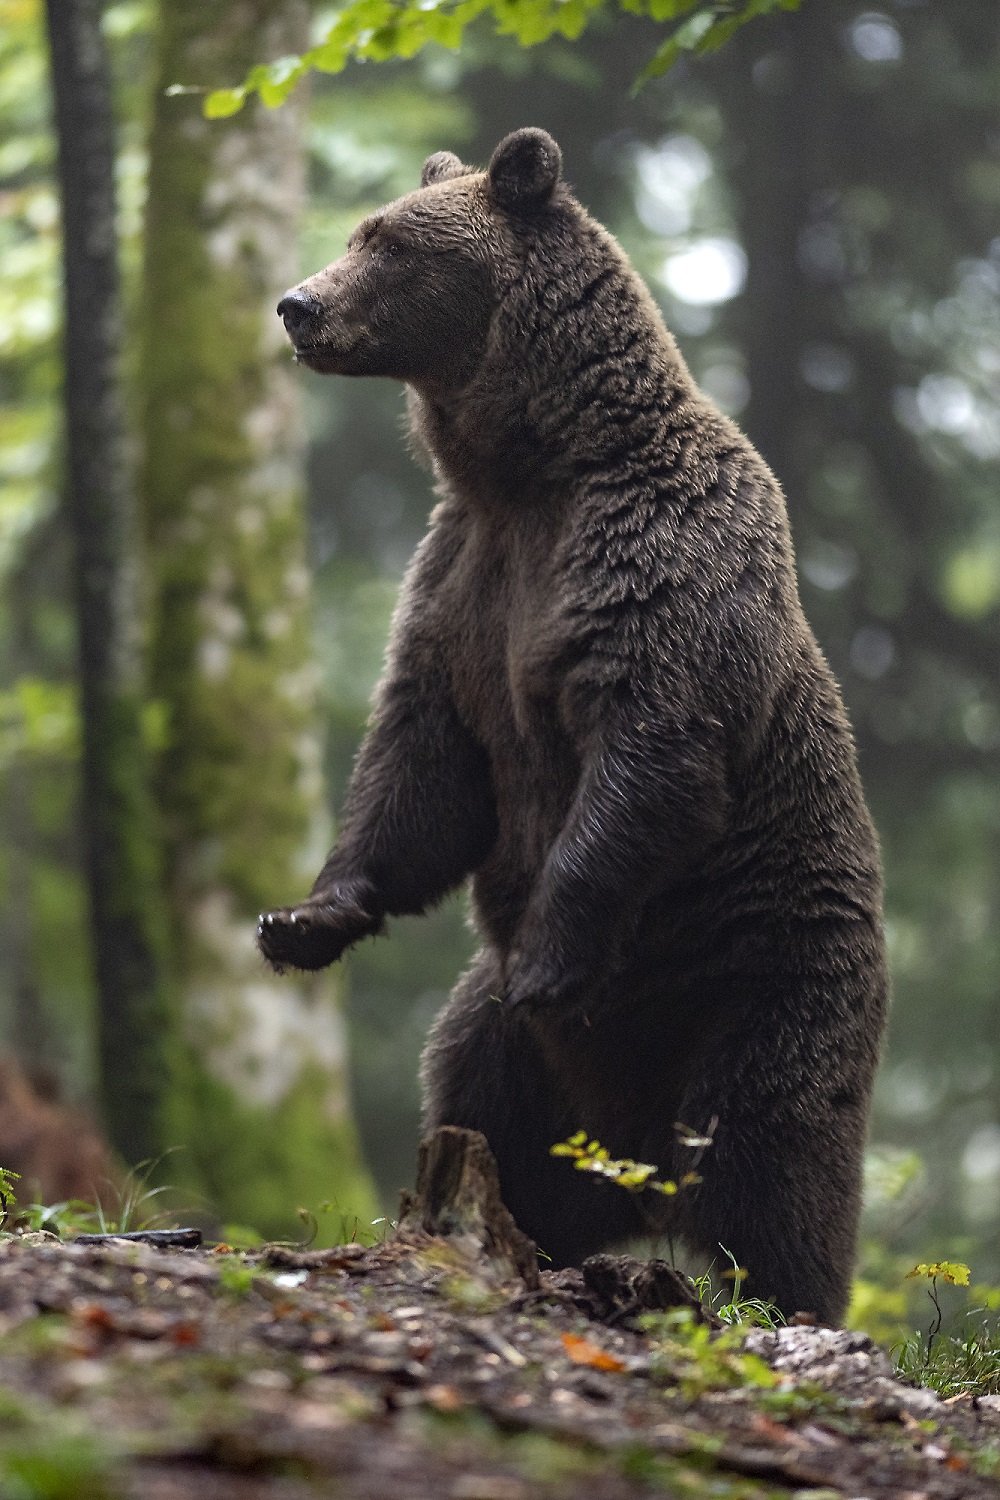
{"x":185,"y":1335}
{"x":773,"y":1431}
{"x":583,"y":1352}
{"x":93,"y":1315}
{"x":444,"y":1398}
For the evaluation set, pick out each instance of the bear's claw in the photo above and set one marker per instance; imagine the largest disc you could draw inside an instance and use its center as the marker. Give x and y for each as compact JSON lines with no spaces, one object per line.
{"x":312,"y":935}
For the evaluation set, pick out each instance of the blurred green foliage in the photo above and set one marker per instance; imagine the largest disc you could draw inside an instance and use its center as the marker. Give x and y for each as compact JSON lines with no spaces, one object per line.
{"x":382,"y":30}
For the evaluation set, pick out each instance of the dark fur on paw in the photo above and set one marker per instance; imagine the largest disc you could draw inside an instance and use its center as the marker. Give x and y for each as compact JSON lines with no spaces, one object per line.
{"x":316,"y":932}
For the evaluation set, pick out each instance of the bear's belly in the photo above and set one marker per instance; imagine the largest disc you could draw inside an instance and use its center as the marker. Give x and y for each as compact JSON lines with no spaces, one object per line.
{"x":535,"y":778}
{"x":505,"y":656}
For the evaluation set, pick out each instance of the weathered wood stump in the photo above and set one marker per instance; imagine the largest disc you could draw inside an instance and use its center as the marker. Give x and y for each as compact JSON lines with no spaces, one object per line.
{"x":458,"y":1197}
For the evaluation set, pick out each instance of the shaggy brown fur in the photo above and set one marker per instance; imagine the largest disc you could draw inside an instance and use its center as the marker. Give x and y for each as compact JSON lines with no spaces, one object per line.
{"x":603,"y":702}
{"x":56,"y":1150}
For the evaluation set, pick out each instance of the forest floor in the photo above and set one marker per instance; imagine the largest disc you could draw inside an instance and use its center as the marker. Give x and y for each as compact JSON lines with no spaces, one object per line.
{"x":439,"y":1366}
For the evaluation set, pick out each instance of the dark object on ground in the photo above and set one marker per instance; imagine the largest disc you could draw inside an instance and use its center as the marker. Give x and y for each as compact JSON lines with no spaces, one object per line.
{"x":604,"y":703}
{"x":166,"y":1239}
{"x":619,"y":1287}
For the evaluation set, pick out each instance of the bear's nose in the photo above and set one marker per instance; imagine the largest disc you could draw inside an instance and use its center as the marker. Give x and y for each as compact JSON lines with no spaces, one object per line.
{"x":297,"y":310}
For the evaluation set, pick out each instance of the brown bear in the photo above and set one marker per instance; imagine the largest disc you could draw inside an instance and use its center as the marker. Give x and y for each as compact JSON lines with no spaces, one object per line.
{"x":602,"y":701}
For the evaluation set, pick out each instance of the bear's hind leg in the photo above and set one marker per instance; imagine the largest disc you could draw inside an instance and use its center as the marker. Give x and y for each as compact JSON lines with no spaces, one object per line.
{"x":780,"y":1192}
{"x":483,"y":1070}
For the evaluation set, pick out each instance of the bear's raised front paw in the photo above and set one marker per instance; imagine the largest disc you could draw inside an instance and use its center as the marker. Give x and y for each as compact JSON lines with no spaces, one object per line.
{"x":314,"y":933}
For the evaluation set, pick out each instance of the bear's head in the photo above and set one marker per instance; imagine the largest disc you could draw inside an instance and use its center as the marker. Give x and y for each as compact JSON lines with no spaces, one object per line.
{"x":414,"y":296}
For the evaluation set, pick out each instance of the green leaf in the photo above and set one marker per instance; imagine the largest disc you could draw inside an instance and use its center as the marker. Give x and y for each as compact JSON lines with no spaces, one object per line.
{"x":693,"y":32}
{"x":572,"y":18}
{"x":637,"y":1175}
{"x":954,"y":1271}
{"x":282,"y":76}
{"x":330,"y":57}
{"x":669,"y":10}
{"x":719,"y":33}
{"x":221,"y":103}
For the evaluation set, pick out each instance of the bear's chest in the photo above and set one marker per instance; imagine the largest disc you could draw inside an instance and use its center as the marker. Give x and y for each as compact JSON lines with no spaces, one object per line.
{"x":505,"y":636}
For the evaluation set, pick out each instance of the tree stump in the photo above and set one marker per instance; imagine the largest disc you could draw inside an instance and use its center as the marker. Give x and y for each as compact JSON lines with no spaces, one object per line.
{"x":458,"y":1197}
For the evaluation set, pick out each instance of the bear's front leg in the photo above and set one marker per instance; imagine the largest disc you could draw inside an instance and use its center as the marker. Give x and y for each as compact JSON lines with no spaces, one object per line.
{"x":419,"y":814}
{"x":317,"y":931}
{"x":419,"y":817}
{"x":652,"y":796}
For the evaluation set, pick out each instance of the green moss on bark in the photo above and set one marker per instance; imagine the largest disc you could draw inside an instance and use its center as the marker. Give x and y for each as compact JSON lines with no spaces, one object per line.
{"x":259,"y":1165}
{"x":263,"y":1124}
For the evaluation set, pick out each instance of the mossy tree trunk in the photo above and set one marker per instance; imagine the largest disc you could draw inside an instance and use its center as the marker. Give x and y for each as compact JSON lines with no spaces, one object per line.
{"x":121,"y":850}
{"x":261,"y":1109}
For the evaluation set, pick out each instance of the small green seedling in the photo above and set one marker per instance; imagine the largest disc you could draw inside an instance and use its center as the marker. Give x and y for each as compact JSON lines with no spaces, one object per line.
{"x":693,"y":1357}
{"x":236,"y":1278}
{"x":963,"y":1363}
{"x":954,"y":1272}
{"x":636,"y":1176}
{"x":735,"y":1310}
{"x":8,"y":1196}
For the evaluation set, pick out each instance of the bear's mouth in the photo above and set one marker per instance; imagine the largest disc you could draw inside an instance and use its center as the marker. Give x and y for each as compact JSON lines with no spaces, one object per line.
{"x":324,"y":356}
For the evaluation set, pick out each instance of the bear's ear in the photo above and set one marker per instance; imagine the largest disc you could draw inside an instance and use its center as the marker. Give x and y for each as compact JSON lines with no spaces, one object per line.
{"x":440,"y":167}
{"x":524,"y":170}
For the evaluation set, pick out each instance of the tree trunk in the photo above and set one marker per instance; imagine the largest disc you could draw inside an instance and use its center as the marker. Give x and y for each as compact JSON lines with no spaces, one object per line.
{"x":122,"y":871}
{"x":262,"y":1110}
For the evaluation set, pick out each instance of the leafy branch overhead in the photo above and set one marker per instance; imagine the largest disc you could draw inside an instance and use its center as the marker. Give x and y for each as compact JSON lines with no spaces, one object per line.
{"x":377,"y":30}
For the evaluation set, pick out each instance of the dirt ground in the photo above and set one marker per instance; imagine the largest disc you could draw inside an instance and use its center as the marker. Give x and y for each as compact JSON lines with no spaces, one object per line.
{"x":440,"y":1365}
{"x":425,"y":1369}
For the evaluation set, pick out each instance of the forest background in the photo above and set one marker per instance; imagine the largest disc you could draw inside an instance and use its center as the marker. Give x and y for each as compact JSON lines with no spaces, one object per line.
{"x":817,"y":209}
